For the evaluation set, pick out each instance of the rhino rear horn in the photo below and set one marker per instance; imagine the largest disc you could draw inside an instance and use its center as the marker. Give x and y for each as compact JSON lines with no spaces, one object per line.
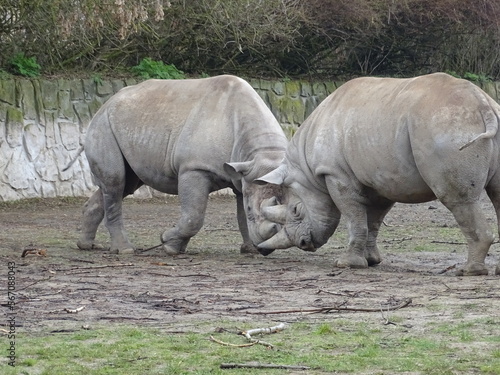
{"x":275,"y":177}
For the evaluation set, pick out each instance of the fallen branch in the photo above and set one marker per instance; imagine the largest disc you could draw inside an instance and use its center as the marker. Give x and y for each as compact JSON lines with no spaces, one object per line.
{"x":137,"y":251}
{"x":74,"y":311}
{"x":449,"y":242}
{"x":248,"y":334}
{"x":391,"y":240}
{"x":34,"y":251}
{"x":96,"y":267}
{"x":447,"y":269}
{"x":403,"y":304}
{"x":262,"y":365}
{"x":232,"y":345}
{"x":36,"y":282}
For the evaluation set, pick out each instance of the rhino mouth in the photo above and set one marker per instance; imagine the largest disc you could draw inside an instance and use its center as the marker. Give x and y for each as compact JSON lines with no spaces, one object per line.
{"x":283,"y":240}
{"x":265,"y":252}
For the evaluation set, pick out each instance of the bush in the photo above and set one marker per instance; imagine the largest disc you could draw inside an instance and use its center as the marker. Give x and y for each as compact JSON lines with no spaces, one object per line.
{"x":25,"y":66}
{"x":274,"y":38}
{"x":149,"y":68}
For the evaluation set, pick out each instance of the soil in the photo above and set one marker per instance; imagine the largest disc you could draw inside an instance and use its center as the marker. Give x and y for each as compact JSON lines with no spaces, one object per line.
{"x":213,"y":282}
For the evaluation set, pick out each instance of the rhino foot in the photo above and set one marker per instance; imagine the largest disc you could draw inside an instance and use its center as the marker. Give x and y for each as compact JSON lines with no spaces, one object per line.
{"x":372,"y":256}
{"x":350,"y":261}
{"x":473,"y":269}
{"x":248,"y":249}
{"x":89,"y":245}
{"x":170,"y":250}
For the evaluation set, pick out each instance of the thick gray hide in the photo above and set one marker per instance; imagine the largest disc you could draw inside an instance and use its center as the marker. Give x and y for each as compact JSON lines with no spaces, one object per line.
{"x":376,"y":141}
{"x":185,"y":137}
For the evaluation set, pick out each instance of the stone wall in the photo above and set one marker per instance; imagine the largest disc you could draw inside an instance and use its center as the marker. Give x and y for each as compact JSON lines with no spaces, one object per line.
{"x":43,"y":122}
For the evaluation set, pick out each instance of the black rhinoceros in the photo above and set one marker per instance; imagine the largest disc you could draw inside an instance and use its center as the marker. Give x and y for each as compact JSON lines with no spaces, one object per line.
{"x":186,"y":137}
{"x":376,"y":141}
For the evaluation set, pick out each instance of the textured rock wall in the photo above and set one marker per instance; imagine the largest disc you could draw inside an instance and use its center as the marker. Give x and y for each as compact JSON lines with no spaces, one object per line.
{"x":43,"y":123}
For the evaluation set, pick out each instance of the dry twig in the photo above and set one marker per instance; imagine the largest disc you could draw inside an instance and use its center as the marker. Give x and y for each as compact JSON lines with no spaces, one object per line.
{"x":248,"y":334}
{"x":74,"y":311}
{"x":34,"y":251}
{"x":262,"y":365}
{"x":405,"y":303}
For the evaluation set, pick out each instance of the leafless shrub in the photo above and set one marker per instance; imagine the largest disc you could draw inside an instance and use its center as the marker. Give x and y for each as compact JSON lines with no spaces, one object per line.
{"x":324,"y":38}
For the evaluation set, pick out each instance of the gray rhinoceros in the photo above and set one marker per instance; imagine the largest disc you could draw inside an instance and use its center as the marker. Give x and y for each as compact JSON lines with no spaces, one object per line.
{"x":376,"y":141}
{"x":186,"y":137}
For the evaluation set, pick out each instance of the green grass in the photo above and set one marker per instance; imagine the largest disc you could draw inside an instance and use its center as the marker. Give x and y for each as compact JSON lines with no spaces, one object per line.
{"x":339,"y":346}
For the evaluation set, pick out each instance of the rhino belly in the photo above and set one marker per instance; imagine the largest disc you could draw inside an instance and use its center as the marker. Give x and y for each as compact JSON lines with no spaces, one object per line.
{"x":396,"y":180}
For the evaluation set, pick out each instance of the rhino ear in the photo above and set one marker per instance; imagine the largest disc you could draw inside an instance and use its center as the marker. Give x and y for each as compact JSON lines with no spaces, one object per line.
{"x":238,"y":169}
{"x":275,"y":177}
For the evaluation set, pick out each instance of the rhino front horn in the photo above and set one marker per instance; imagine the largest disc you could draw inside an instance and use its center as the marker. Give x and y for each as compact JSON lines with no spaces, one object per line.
{"x":276,"y":214}
{"x":279,"y":241}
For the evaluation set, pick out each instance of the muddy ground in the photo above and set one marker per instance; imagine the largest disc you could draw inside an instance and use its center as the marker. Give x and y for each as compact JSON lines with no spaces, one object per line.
{"x":421,"y":246}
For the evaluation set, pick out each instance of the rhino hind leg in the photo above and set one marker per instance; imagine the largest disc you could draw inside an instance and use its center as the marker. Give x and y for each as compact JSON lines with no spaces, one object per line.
{"x":475,"y":228}
{"x":93,"y":213}
{"x":493,"y":191}
{"x":375,"y":218}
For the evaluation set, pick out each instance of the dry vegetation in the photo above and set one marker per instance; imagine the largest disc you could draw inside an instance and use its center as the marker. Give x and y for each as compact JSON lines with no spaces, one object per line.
{"x":323,"y":38}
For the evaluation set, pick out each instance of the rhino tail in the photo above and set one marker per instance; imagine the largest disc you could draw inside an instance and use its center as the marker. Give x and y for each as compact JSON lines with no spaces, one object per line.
{"x":72,"y":161}
{"x":490,"y":119}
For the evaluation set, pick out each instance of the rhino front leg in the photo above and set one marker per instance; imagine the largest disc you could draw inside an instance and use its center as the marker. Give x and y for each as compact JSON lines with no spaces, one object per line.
{"x":348,"y":203}
{"x":247,"y":247}
{"x":93,"y":213}
{"x":194,"y":188}
{"x":476,"y":230}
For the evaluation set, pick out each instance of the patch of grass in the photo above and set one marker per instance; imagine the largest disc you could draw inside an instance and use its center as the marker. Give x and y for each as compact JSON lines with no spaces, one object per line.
{"x":149,"y":68}
{"x":339,"y":346}
{"x":25,"y":66}
{"x":34,"y":203}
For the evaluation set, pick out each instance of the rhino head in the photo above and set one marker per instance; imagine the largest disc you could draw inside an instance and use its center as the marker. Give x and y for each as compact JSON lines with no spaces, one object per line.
{"x":257,"y":197}
{"x":307,"y":218}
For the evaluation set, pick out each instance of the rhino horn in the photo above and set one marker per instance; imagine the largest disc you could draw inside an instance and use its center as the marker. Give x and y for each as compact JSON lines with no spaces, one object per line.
{"x":276,"y":213}
{"x":279,"y":241}
{"x":273,"y":201}
{"x":268,"y":229}
{"x":275,"y":177}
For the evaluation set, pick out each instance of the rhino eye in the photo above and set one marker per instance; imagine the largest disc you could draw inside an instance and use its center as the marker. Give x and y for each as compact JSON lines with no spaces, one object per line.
{"x":296,"y":211}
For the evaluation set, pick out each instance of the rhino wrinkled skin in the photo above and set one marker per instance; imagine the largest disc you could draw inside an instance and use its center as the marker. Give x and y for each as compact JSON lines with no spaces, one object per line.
{"x":377,"y":141}
{"x":186,"y":137}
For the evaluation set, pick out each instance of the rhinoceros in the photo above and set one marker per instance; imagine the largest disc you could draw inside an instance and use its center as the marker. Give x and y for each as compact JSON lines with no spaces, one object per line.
{"x":185,"y":137}
{"x":377,"y":141}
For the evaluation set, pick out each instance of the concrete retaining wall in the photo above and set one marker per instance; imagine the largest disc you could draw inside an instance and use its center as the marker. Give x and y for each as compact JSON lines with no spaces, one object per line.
{"x":43,"y":122}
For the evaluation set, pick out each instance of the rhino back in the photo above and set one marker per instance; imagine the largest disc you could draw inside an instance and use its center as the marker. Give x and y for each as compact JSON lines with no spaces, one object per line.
{"x":164,"y":127}
{"x":399,"y":136}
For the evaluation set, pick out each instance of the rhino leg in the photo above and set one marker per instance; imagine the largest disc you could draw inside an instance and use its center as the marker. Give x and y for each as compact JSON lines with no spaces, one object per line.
{"x":93,"y":213}
{"x":364,"y":219}
{"x":375,"y":216}
{"x":194,"y":188}
{"x":475,"y":228}
{"x":247,"y":247}
{"x":493,"y":191}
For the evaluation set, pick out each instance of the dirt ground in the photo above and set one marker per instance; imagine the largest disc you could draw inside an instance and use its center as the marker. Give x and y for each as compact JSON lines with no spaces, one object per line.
{"x":421,"y":246}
